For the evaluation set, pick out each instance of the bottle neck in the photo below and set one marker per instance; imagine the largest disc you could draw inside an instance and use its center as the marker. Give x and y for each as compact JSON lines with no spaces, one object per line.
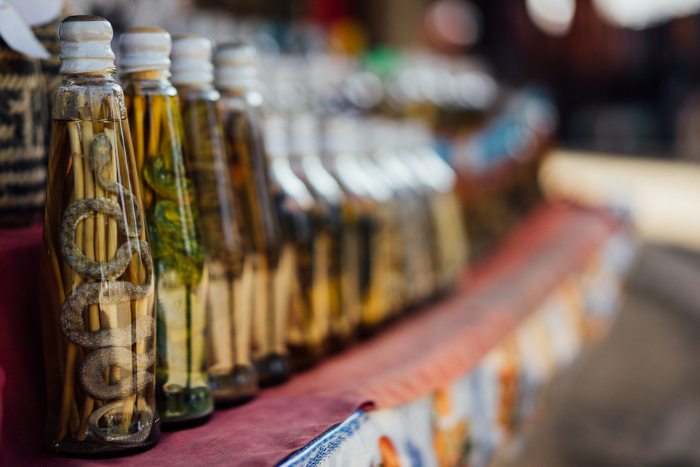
{"x":103,"y":75}
{"x":238,"y":91}
{"x":151,"y":79}
{"x":194,"y":88}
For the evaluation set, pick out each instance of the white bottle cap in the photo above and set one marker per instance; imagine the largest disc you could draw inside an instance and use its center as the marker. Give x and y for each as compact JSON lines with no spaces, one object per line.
{"x":144,"y":49}
{"x":235,"y":66}
{"x":85,"y":44}
{"x":191,"y":56}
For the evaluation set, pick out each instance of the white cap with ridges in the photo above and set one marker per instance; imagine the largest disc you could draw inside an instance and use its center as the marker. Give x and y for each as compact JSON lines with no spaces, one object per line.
{"x":144,"y":49}
{"x":85,"y":44}
{"x":235,"y":65}
{"x":191,"y":57}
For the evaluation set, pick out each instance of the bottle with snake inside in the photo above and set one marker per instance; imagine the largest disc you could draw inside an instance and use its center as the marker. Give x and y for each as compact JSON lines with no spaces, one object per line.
{"x":183,"y":395}
{"x":338,"y":222}
{"x":232,"y":377}
{"x":97,"y":266}
{"x":370,"y":200}
{"x":240,"y":105}
{"x":304,"y":251}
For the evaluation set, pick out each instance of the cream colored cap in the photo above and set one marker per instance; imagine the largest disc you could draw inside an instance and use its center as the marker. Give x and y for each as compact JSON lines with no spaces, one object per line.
{"x":144,"y":49}
{"x":235,"y":65}
{"x":85,"y":44}
{"x":191,"y":60}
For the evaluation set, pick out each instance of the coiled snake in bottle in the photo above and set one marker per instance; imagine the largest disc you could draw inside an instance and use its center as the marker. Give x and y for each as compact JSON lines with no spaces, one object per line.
{"x":108,"y":344}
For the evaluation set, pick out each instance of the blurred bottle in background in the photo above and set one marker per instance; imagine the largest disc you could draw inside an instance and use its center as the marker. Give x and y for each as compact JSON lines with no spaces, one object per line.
{"x":241,"y":106}
{"x":338,"y":219}
{"x":305,"y":250}
{"x":370,"y":200}
{"x":415,"y":222}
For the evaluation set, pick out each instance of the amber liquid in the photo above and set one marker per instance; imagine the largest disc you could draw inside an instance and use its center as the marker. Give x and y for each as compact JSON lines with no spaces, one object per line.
{"x":182,"y":390}
{"x":230,"y":303}
{"x":370,"y":223}
{"x":86,"y":109}
{"x":414,"y":231}
{"x":249,"y":171}
{"x":451,"y":238}
{"x":340,"y":245}
{"x":306,"y":250}
{"x":450,"y":243}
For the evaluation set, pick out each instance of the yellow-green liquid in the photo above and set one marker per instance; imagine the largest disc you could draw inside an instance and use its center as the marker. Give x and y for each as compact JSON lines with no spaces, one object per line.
{"x":230,"y":299}
{"x":182,"y":390}
{"x":249,"y":171}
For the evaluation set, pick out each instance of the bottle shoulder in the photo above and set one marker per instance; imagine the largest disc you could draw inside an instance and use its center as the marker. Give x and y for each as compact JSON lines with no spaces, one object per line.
{"x":199,"y":94}
{"x":84,"y":97}
{"x":150,"y":87}
{"x":251,"y":100}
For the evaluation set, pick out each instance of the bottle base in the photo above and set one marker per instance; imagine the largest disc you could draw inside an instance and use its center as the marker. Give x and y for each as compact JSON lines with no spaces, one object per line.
{"x":304,"y":358}
{"x":234,"y":388}
{"x":184,"y":424}
{"x":92,"y":448}
{"x":180,"y":407}
{"x":274,"y":369}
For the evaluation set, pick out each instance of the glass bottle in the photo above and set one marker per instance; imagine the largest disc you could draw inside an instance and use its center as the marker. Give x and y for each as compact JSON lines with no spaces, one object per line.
{"x":182,"y":391}
{"x":240,"y":105}
{"x":97,"y":295}
{"x":371,"y":200}
{"x":414,"y":222}
{"x":391,"y":215}
{"x":439,"y":179}
{"x":338,"y":219}
{"x":230,"y":303}
{"x":304,"y":249}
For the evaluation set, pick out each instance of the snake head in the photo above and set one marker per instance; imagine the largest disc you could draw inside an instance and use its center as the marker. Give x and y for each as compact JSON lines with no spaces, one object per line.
{"x":100,"y":151}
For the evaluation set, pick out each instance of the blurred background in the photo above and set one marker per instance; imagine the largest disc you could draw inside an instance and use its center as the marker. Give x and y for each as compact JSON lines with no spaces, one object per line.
{"x":623,"y":74}
{"x":595,"y":102}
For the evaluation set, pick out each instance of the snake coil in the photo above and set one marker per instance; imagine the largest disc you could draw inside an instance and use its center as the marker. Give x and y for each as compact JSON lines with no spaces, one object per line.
{"x":108,"y":344}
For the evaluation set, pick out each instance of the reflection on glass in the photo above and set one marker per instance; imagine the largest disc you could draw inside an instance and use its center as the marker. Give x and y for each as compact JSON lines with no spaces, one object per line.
{"x":97,"y":300}
{"x":183,"y":393}
{"x":230,"y":298}
{"x":240,"y":107}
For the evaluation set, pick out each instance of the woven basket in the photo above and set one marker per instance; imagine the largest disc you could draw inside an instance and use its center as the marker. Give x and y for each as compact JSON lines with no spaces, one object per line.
{"x":26,"y":97}
{"x":23,"y":117}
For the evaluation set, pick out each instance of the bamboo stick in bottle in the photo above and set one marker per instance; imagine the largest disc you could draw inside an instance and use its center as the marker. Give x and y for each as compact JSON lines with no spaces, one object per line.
{"x":231,"y":285}
{"x":240,"y":105}
{"x":183,"y":395}
{"x":92,"y":212}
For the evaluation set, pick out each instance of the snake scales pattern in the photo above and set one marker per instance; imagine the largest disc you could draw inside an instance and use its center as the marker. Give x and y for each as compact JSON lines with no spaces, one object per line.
{"x":109,"y":343}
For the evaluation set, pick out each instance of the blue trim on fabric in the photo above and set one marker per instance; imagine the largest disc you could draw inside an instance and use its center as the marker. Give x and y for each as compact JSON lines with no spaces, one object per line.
{"x":323,"y":446}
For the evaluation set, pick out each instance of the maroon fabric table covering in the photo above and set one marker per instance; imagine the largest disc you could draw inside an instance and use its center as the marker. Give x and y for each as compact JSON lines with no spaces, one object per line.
{"x":413,"y":357}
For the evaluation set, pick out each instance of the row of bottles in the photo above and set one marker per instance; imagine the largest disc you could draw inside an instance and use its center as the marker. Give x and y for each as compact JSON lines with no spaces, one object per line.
{"x":200,"y":241}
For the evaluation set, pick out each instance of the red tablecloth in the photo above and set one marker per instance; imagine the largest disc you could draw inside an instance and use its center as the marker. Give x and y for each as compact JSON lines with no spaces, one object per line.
{"x":420,"y":354}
